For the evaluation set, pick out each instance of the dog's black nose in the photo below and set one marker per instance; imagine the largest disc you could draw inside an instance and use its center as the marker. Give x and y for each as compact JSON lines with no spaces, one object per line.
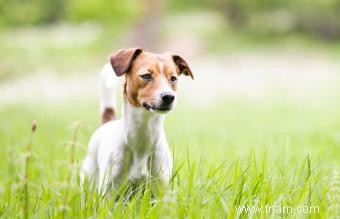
{"x":167,"y":98}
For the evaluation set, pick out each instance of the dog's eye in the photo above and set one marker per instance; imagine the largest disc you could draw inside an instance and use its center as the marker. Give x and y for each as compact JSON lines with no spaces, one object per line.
{"x":173,"y":78}
{"x":146,"y":76}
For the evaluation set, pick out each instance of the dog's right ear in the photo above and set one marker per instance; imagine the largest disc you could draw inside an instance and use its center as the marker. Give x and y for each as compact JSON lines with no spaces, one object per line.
{"x":122,"y":59}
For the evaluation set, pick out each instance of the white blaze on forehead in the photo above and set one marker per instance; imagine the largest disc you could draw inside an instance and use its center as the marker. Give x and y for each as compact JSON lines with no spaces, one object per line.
{"x":164,"y":83}
{"x":164,"y":86}
{"x":161,"y":67}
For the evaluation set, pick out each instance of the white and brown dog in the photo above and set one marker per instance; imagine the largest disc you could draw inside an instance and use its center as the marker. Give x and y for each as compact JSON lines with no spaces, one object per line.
{"x":135,"y":146}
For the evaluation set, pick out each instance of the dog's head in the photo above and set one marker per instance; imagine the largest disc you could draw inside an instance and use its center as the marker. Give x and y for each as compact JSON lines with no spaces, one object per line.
{"x":151,"y":79}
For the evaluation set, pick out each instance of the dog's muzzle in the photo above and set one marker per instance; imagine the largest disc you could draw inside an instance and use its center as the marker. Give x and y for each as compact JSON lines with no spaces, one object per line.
{"x":160,"y":108}
{"x":166,"y":103}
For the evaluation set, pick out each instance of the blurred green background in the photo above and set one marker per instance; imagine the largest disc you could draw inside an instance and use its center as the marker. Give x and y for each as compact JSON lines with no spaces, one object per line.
{"x":74,"y":35}
{"x":319,"y":18}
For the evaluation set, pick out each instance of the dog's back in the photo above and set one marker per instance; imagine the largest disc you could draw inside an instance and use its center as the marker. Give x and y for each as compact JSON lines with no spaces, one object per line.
{"x":108,"y":86}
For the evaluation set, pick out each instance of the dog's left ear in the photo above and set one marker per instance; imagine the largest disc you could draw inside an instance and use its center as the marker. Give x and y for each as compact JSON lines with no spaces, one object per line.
{"x":122,"y":59}
{"x":182,"y":66}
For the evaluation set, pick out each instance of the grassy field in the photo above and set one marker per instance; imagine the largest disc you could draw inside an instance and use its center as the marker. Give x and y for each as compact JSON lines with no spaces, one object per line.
{"x":281,"y":148}
{"x":239,"y":152}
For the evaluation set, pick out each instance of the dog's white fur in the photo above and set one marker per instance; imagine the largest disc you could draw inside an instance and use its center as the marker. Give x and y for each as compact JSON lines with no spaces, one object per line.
{"x":134,"y":146}
{"x":108,"y":85}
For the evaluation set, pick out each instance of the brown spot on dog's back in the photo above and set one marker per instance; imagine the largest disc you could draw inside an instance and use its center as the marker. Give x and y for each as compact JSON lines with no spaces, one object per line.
{"x":108,"y":115}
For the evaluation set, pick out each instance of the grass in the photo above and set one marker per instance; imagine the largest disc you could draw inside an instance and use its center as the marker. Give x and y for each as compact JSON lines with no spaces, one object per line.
{"x":240,"y":152}
{"x":273,"y":151}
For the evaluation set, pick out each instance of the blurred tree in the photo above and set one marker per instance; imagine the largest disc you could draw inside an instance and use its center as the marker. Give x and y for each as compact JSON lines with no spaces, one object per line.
{"x":146,"y":32}
{"x":104,"y":11}
{"x":318,"y":17}
{"x":33,"y":12}
{"x":53,"y":10}
{"x":39,"y":12}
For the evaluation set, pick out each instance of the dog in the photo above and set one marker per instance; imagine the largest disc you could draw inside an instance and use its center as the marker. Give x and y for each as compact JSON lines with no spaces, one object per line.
{"x":135,"y":146}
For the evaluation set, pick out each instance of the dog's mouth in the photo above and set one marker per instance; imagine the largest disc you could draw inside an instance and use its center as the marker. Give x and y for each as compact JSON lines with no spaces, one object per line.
{"x":157,"y":108}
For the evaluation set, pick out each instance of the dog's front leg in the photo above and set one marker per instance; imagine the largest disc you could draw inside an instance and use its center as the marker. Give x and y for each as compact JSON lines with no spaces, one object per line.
{"x":162,"y":163}
{"x":107,"y":172}
{"x":110,"y":175}
{"x":103,"y":181}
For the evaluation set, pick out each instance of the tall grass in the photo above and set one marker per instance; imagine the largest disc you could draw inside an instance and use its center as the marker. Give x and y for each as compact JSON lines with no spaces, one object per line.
{"x":72,"y":167}
{"x":256,"y":155}
{"x":27,"y":162}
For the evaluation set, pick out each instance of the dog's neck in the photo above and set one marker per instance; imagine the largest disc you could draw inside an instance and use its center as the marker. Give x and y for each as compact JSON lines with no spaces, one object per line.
{"x":142,"y":128}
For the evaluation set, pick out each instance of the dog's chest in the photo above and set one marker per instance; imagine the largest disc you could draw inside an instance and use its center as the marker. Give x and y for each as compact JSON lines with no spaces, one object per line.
{"x":142,"y":147}
{"x":141,"y":144}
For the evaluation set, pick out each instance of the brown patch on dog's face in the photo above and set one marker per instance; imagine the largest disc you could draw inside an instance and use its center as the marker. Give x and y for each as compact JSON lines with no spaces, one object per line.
{"x":151,"y":79}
